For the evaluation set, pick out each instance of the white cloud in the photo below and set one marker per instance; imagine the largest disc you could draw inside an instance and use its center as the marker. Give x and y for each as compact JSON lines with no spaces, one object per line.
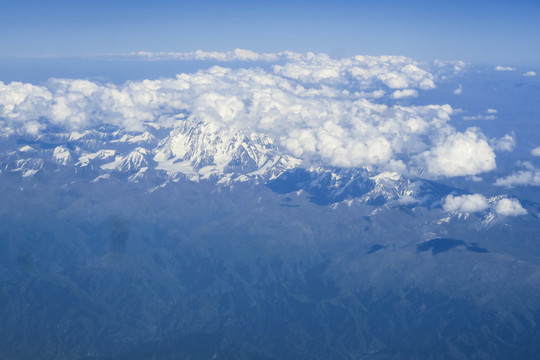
{"x":400,"y":94}
{"x":509,"y":207}
{"x":488,"y":115}
{"x":452,"y":66}
{"x":459,"y":90}
{"x":407,"y":200}
{"x":234,"y":55}
{"x":20,"y":107}
{"x":506,"y":143}
{"x":480,"y":117}
{"x":504,"y":68}
{"x":536,"y":151}
{"x":476,"y":202}
{"x":314,"y":107}
{"x":530,"y":74}
{"x":394,"y":72}
{"x":461,"y":154}
{"x":476,"y":178}
{"x":466,"y":203}
{"x":520,"y":178}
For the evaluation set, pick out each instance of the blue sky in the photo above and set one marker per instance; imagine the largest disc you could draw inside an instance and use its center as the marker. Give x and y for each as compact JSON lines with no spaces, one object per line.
{"x":492,"y":32}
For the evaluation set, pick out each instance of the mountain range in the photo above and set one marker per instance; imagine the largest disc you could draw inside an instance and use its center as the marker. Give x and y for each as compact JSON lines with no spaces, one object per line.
{"x":203,"y":242}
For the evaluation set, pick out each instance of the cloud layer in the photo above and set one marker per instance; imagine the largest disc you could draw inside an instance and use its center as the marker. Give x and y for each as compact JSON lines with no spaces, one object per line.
{"x":340,"y":112}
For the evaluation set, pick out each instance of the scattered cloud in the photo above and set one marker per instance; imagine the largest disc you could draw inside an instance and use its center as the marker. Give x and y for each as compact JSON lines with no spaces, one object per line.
{"x":509,"y":207}
{"x":407,"y":200}
{"x":314,"y":107}
{"x":489,"y":114}
{"x":480,"y":117}
{"x":536,"y":151}
{"x":459,"y":90}
{"x":476,"y":203}
{"x":447,"y":68}
{"x":521,"y":178}
{"x":504,"y":68}
{"x":506,"y":143}
{"x":476,"y":178}
{"x":530,"y":74}
{"x":466,"y":203}
{"x":400,"y":94}
{"x":461,"y":154}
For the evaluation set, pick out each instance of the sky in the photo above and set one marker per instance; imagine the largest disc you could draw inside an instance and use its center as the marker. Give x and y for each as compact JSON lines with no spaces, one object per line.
{"x":490,"y":32}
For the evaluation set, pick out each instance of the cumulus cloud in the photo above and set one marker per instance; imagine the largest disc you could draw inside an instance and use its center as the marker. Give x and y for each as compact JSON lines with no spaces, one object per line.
{"x":459,"y":90}
{"x":400,"y":94}
{"x":536,"y":151}
{"x":504,"y":68}
{"x":317,"y":108}
{"x":509,"y":207}
{"x":520,"y":178}
{"x":466,"y":203}
{"x":460,"y":154}
{"x":394,"y":72}
{"x":476,"y":202}
{"x":530,"y":73}
{"x":506,"y":143}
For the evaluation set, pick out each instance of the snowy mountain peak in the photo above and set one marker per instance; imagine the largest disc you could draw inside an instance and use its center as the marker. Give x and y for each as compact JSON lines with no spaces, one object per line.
{"x":202,"y":150}
{"x":62,"y":155}
{"x":139,"y":139}
{"x":134,"y":161}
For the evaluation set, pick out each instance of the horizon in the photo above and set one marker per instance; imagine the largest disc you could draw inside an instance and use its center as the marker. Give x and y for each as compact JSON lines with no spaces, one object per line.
{"x":133,"y":66}
{"x":480,"y":32}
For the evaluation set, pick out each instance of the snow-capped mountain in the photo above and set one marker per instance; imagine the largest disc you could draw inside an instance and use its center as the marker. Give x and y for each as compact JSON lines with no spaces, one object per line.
{"x":194,"y":150}
{"x":327,"y":186}
{"x":201,"y":151}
